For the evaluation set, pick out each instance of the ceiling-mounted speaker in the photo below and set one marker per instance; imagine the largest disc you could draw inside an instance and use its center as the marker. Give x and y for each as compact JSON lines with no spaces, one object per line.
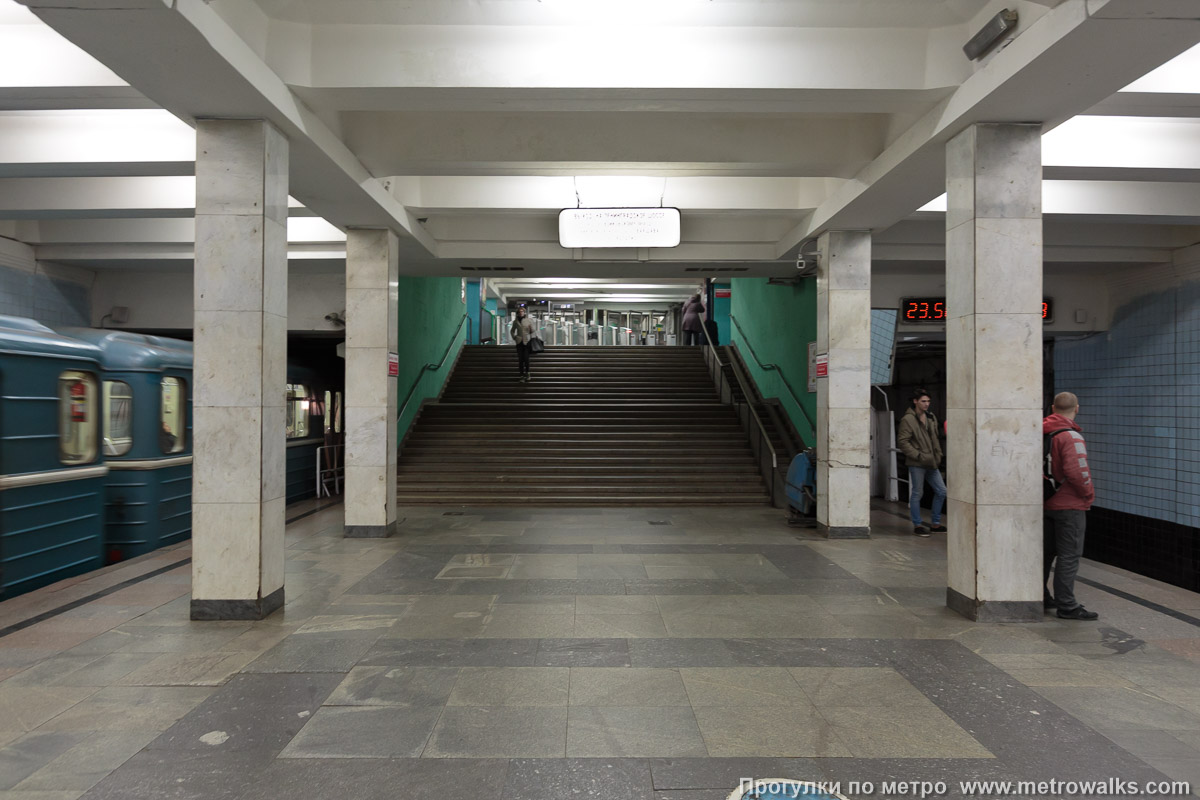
{"x":996,"y":27}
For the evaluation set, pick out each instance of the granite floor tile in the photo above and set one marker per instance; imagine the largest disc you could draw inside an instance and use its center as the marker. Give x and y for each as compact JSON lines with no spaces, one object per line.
{"x":395,"y":686}
{"x":490,"y":573}
{"x":615,"y":604}
{"x":766,"y":731}
{"x":379,"y":779}
{"x":516,"y":623}
{"x":348,"y":626}
{"x":179,"y":777}
{"x":683,"y":774}
{"x":1130,"y":709}
{"x":187,"y":669}
{"x":529,"y":604}
{"x":619,"y":626}
{"x":448,"y":652}
{"x":633,"y":732}
{"x":1154,"y":744}
{"x":87,"y":763}
{"x":465,"y":624}
{"x":742,"y":686}
{"x":862,"y":686}
{"x":582,"y":653}
{"x":448,"y":606}
{"x":364,"y":732}
{"x":612,"y":572}
{"x":490,"y":732}
{"x":680,"y":653}
{"x":32,"y":752}
{"x":585,"y":779}
{"x":311,"y":654}
{"x":901,"y":732}
{"x":601,"y":686}
{"x":27,"y":707}
{"x":252,"y":714}
{"x":511,"y":686}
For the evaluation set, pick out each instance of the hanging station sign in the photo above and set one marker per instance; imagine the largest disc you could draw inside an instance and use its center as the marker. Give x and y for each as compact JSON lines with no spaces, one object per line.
{"x":618,"y":227}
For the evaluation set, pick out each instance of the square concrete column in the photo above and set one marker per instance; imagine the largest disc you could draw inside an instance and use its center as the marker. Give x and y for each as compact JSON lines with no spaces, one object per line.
{"x":372,"y":321}
{"x":844,"y":396}
{"x":994,"y":366}
{"x":238,"y":472}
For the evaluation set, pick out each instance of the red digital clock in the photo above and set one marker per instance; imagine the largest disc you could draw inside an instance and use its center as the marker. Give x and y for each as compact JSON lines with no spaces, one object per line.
{"x":933,"y":309}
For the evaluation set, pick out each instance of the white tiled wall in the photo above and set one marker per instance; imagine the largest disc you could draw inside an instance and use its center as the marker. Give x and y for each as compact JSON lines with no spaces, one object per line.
{"x":1139,"y":399}
{"x":40,"y":297}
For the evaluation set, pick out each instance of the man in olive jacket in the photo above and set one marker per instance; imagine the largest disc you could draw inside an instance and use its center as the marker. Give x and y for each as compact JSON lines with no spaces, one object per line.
{"x":918,"y":440}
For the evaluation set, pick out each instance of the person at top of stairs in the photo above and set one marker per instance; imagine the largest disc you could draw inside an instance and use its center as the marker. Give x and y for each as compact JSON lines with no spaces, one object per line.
{"x":522,"y":331}
{"x":692,"y":326}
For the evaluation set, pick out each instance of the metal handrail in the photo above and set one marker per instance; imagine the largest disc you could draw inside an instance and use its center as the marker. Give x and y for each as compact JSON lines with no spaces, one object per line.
{"x":429,"y":367}
{"x":337,"y":471}
{"x":775,"y":368}
{"x":747,"y":395}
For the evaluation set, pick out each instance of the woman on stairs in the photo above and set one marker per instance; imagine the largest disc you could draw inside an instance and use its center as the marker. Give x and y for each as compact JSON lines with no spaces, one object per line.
{"x":522,"y":331}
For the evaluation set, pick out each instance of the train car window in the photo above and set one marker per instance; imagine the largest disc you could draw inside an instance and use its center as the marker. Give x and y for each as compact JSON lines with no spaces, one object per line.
{"x":337,"y":412}
{"x":172,"y":433}
{"x":297,"y":411}
{"x":76,"y":417}
{"x":118,"y":418}
{"x":329,"y":411}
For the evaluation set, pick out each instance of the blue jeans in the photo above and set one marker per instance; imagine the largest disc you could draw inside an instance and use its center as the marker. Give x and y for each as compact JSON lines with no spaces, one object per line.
{"x":916,"y":487}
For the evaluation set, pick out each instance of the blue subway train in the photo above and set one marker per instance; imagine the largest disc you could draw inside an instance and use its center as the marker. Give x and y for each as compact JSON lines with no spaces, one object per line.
{"x":96,"y":446}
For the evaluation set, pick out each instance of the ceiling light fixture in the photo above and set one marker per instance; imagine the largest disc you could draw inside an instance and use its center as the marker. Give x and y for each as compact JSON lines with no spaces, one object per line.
{"x":996,"y":27}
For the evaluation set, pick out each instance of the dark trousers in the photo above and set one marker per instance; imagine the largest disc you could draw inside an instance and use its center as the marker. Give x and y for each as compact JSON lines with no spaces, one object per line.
{"x":1062,"y":539}
{"x":523,"y":358}
{"x":691,"y":337}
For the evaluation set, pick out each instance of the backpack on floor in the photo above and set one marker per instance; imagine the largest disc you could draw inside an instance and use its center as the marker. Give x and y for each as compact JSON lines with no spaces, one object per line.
{"x":1049,"y":485}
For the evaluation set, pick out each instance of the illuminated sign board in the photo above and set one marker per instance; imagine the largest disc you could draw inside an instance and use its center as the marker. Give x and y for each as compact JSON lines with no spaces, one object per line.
{"x":618,"y":227}
{"x":933,"y":309}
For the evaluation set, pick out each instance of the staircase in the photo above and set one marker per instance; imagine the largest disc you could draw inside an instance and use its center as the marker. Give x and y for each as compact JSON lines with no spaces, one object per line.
{"x":597,"y":426}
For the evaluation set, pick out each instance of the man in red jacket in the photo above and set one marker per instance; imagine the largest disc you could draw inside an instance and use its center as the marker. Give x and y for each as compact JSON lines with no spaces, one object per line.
{"x":1065,"y":513}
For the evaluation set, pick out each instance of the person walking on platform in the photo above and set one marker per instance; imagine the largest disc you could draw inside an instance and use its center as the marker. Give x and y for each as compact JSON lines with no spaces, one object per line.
{"x":522,"y":331}
{"x":1064,"y":515}
{"x":918,"y":440}
{"x":693,"y":327}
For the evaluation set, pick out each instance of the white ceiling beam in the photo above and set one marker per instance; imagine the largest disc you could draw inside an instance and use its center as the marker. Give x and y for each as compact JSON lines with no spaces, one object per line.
{"x":1050,"y":253}
{"x":1035,"y":78}
{"x":481,"y":143}
{"x":545,"y":193}
{"x":225,"y":78}
{"x":617,"y":53}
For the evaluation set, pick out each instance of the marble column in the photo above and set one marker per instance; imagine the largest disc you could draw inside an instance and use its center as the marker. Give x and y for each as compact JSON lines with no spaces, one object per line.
{"x":238,"y":472}
{"x":994,"y":368}
{"x":844,"y":397}
{"x":372,"y":308}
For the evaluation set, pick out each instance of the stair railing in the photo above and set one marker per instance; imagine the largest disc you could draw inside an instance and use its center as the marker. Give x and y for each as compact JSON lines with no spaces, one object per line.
{"x":782,"y":376}
{"x":760,"y":441}
{"x":432,"y":367}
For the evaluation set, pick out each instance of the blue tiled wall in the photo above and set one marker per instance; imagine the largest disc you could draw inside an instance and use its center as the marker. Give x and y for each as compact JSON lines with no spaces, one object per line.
{"x":1139,"y":405}
{"x":45,"y":299}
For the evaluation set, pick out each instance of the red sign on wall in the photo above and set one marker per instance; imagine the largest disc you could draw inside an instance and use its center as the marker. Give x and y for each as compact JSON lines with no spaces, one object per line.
{"x":723,"y":293}
{"x":393,"y":365}
{"x":822,"y":365}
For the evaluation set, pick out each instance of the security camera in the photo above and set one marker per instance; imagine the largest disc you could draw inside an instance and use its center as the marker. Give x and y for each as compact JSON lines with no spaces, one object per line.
{"x":335,"y":318}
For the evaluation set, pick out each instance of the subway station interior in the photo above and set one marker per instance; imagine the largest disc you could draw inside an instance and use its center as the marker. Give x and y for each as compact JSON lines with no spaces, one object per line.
{"x":515,"y":399}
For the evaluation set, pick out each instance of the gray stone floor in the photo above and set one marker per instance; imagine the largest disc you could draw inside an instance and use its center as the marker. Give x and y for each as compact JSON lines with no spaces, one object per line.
{"x":623,"y":654}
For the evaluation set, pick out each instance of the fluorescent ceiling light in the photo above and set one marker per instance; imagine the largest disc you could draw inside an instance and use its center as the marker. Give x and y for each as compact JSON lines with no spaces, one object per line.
{"x":936,"y":204}
{"x":619,"y":191}
{"x":1180,"y":75}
